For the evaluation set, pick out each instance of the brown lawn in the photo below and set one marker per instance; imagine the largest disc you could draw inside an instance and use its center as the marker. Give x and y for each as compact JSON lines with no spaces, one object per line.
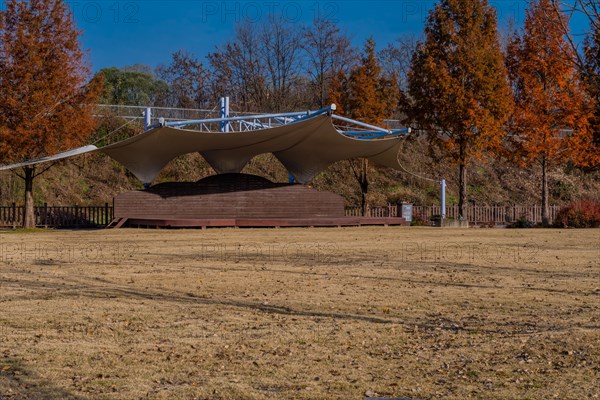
{"x":300,"y":314}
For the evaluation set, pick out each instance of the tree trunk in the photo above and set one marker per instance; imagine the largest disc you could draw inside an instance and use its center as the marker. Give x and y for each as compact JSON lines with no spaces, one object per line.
{"x":322,"y":87}
{"x":363,"y":204}
{"x":545,"y":207}
{"x":28,"y":213}
{"x":462,"y":189}
{"x":364,"y":185}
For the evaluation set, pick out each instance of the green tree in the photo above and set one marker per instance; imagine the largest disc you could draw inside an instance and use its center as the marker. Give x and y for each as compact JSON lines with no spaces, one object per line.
{"x":132,"y":86}
{"x":46,"y":101}
{"x":458,"y":92}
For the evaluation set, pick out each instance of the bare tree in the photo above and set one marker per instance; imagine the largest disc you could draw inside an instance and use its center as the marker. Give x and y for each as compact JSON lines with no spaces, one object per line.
{"x":585,"y":53}
{"x":590,"y":8}
{"x":237,"y":69}
{"x":280,"y":42}
{"x":395,"y":59}
{"x":186,"y":77}
{"x":568,"y":10}
{"x":592,"y":80}
{"x":328,"y":51}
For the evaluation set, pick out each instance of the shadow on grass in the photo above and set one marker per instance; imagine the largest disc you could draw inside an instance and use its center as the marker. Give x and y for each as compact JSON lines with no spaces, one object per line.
{"x":19,"y":382}
{"x":70,"y":287}
{"x":432,"y":282}
{"x":50,"y":290}
{"x":8,"y":231}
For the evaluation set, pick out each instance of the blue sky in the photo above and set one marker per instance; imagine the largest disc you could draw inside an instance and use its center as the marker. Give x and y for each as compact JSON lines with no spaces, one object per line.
{"x":127,"y":32}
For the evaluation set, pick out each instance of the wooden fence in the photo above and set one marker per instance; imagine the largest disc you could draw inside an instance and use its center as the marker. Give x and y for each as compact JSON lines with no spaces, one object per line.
{"x":375,"y":212}
{"x":58,"y":217}
{"x":100,"y":216}
{"x":478,"y":215}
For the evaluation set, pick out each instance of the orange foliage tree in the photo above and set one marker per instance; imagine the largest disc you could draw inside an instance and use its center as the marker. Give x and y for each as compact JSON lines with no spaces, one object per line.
{"x":592,"y":74}
{"x":550,"y":123}
{"x":366,"y":95}
{"x":458,"y":92}
{"x":45,"y":104}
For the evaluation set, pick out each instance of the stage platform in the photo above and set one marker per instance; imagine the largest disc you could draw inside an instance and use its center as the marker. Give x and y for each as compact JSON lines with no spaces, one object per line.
{"x":235,"y":200}
{"x":261,"y":223}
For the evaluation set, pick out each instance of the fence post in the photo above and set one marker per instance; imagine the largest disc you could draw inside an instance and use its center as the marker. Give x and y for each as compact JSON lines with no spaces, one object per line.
{"x":106,"y":217}
{"x":45,"y":215}
{"x":76,"y":216}
{"x":14,"y":215}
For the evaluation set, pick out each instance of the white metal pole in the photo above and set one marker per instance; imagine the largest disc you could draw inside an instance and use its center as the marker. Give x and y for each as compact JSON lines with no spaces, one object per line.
{"x":443,"y":199}
{"x":224,"y":113}
{"x":147,"y":118}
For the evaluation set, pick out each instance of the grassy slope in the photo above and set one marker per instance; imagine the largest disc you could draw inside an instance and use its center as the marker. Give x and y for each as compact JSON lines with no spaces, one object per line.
{"x":95,"y":179}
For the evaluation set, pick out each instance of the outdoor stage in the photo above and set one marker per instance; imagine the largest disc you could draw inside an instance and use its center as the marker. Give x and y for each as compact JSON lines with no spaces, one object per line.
{"x":305,"y":143}
{"x":235,"y":200}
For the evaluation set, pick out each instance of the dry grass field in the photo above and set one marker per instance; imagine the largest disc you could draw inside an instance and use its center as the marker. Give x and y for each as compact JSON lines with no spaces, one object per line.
{"x":300,"y":314}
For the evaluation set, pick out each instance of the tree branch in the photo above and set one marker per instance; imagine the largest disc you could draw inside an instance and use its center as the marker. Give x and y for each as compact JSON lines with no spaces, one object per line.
{"x":354,"y":170}
{"x":45,"y":169}
{"x":17,"y":174}
{"x":592,"y":10}
{"x":579,"y":61}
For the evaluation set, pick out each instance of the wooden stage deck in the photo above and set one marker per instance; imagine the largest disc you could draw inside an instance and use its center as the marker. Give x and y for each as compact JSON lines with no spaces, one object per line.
{"x":234,"y":200}
{"x":262,"y":223}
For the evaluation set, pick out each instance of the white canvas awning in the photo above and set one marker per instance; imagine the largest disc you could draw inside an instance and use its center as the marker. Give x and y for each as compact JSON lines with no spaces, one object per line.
{"x":305,"y":148}
{"x":56,"y":157}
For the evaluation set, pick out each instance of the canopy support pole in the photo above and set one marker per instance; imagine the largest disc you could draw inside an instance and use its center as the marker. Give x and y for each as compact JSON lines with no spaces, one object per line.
{"x":224,"y":113}
{"x":147,"y":119}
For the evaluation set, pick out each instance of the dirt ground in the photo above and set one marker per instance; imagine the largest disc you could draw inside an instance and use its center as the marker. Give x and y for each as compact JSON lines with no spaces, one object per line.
{"x":420,"y":313}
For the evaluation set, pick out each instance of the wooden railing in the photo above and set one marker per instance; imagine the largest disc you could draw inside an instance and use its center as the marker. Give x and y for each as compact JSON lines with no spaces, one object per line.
{"x":100,"y":216}
{"x":375,"y":212}
{"x":478,"y":215}
{"x":58,"y":216}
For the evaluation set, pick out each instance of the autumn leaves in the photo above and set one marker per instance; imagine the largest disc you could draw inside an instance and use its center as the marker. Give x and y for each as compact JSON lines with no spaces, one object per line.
{"x":474,"y":101}
{"x":47,"y":102}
